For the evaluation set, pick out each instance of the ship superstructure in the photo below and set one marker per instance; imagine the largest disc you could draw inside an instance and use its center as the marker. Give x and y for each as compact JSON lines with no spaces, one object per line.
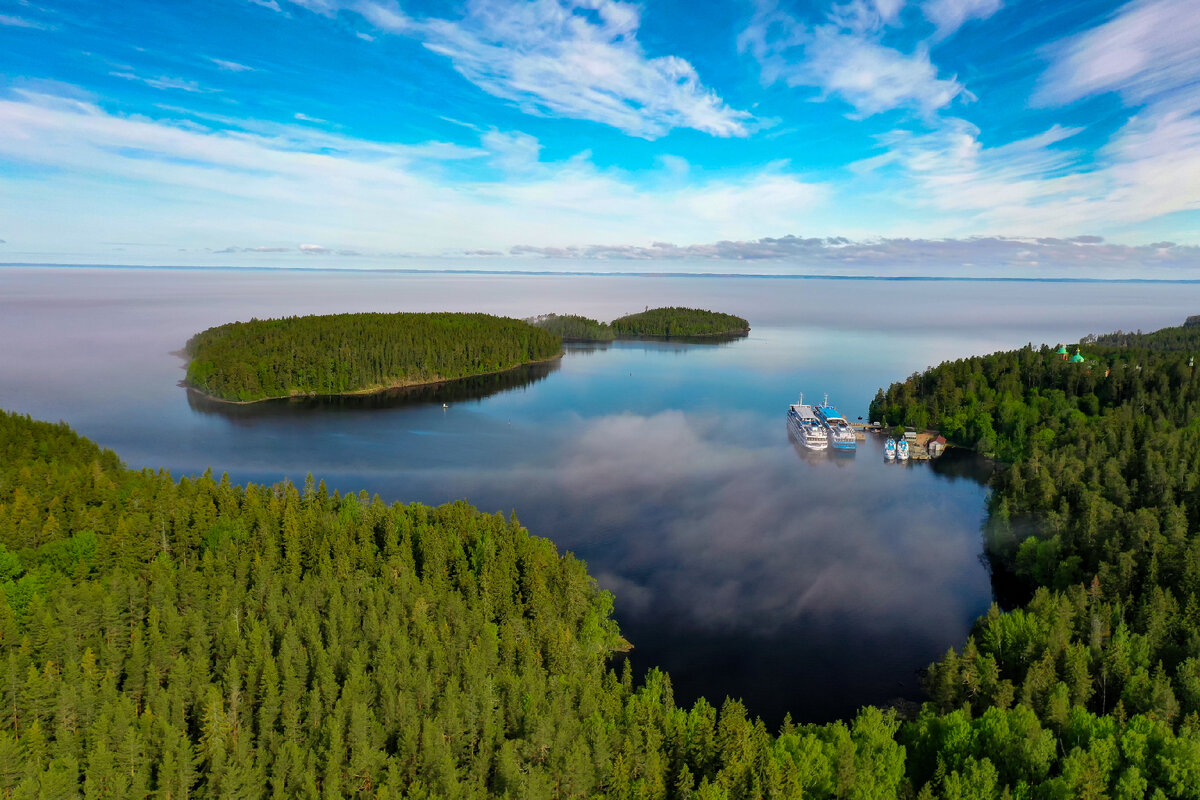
{"x":805,"y":425}
{"x":841,"y":434}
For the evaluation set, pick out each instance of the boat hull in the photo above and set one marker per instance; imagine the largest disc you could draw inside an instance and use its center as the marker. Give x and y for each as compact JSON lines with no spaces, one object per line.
{"x":801,"y":432}
{"x":841,"y":435}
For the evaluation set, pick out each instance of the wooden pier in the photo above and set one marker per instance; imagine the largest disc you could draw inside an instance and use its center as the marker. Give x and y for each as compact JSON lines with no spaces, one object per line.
{"x":918,"y":450}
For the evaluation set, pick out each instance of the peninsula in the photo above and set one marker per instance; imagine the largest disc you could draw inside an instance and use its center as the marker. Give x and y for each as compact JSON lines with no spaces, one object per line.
{"x":337,"y":354}
{"x":655,"y":323}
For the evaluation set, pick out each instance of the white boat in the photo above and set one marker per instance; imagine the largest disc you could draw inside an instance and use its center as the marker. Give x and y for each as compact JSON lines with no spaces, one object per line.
{"x":803,"y":423}
{"x":841,"y":435}
{"x":902,"y":450}
{"x":889,"y":449}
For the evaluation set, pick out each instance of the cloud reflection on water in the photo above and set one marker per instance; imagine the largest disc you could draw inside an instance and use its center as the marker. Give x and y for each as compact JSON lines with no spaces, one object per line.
{"x":716,"y":527}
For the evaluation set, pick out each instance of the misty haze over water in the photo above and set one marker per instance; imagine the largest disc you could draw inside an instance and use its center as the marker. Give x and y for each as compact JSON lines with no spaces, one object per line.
{"x":741,"y":566}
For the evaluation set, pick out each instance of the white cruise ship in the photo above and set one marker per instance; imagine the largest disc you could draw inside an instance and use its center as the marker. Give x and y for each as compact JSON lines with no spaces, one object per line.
{"x":803,"y":422}
{"x":841,"y":435}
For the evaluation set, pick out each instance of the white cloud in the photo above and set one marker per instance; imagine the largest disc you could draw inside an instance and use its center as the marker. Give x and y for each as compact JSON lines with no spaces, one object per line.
{"x":302,"y":117}
{"x":580,"y":60}
{"x":20,"y":22}
{"x":386,"y":17}
{"x":162,"y":82}
{"x":513,"y":152}
{"x":574,"y":58}
{"x":192,"y":183}
{"x":1149,"y":168}
{"x":231,"y":66}
{"x":1149,"y":51}
{"x":866,"y":16}
{"x":843,"y":57}
{"x":271,"y":4}
{"x":950,"y":15}
{"x":1076,"y":253}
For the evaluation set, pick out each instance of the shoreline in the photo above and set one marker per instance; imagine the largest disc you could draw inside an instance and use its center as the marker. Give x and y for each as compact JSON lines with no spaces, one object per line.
{"x":654,"y":337}
{"x":366,"y":391}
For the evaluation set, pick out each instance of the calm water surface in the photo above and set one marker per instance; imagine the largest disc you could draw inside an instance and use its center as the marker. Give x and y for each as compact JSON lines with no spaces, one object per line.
{"x":740,"y":565}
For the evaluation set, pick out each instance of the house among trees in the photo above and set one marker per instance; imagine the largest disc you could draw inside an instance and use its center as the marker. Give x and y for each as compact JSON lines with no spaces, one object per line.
{"x":1062,"y":352}
{"x":936,"y":446}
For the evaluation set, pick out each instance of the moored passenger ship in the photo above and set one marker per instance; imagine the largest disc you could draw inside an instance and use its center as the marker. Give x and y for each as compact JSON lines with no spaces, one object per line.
{"x":805,"y":425}
{"x":841,"y":434}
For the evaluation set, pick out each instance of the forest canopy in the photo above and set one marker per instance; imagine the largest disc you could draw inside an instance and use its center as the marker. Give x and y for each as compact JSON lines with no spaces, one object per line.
{"x":349,"y":353}
{"x":1095,"y":512}
{"x":194,"y":638}
{"x":673,"y":322}
{"x":676,"y":321}
{"x":574,"y":328}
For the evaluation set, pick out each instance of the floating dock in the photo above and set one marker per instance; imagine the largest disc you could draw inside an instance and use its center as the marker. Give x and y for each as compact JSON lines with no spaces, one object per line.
{"x":918,"y":450}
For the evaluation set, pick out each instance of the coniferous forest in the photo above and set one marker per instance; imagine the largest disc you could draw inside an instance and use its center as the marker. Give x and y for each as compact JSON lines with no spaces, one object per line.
{"x":574,"y":328}
{"x":345,"y":353}
{"x":676,"y":321}
{"x":655,"y":323}
{"x":1096,"y":514}
{"x":193,"y":638}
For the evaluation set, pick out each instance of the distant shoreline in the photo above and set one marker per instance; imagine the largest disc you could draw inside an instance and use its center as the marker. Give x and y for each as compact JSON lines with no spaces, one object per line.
{"x":366,"y":391}
{"x":584,"y":274}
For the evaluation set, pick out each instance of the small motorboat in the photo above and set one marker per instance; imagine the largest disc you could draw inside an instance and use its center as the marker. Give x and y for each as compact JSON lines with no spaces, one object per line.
{"x":889,"y":449}
{"x":902,"y":450}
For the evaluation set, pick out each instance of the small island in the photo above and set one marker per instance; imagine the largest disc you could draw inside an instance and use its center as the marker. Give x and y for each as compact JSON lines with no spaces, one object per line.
{"x":655,"y":323}
{"x":573,"y":328}
{"x":340,"y":354}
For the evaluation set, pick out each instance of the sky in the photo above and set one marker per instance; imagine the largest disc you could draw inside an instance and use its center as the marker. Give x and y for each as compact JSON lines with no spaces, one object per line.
{"x":905,"y":137}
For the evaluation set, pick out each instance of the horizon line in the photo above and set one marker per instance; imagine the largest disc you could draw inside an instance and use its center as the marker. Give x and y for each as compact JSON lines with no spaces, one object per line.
{"x":592,"y":274}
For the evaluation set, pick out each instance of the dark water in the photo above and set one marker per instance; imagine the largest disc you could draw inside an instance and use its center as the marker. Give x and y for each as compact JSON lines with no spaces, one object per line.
{"x":740,"y":564}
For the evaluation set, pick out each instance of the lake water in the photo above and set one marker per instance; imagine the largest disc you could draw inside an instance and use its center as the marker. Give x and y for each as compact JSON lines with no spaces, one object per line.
{"x":742,"y":566}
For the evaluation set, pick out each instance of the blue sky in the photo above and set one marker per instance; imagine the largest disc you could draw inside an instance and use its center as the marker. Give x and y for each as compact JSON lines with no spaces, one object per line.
{"x":922,"y":137}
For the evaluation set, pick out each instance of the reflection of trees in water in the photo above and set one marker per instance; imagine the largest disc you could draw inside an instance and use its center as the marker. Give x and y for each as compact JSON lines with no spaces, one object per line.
{"x":959,"y":463}
{"x":677,"y":344}
{"x":456,"y":391}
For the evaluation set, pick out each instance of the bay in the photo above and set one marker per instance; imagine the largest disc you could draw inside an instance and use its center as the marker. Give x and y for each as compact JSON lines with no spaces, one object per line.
{"x":741,"y":565}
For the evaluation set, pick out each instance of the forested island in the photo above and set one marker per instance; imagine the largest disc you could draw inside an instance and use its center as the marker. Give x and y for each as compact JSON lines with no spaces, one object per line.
{"x":656,"y":323}
{"x":357,"y":353}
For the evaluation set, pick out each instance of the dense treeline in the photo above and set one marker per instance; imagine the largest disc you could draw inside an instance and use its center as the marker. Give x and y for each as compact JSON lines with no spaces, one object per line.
{"x":675,"y":321}
{"x":574,"y":328}
{"x":342,"y":353}
{"x":1099,"y":513}
{"x":193,"y":638}
{"x":670,"y":322}
{"x":1182,"y":338}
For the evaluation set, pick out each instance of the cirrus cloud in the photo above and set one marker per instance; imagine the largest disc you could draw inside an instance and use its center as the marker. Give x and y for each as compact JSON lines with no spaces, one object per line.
{"x":573,"y":58}
{"x":843,"y":57}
